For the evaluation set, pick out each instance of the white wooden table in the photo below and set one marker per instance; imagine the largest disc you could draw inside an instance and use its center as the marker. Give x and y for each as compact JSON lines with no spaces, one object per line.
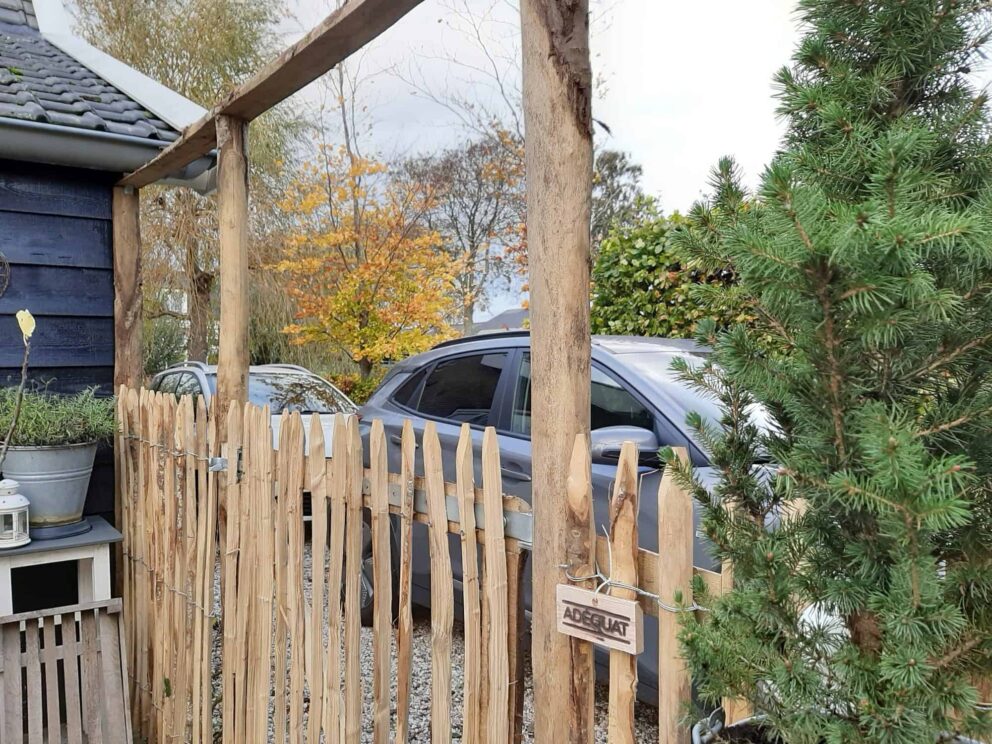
{"x":90,"y":551}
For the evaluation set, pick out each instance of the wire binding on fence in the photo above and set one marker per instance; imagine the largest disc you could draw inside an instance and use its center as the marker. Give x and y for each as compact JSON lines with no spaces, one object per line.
{"x":606,"y":582}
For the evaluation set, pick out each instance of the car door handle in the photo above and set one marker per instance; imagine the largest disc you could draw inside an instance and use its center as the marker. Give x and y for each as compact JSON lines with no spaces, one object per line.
{"x":514,"y":474}
{"x":397,"y":439}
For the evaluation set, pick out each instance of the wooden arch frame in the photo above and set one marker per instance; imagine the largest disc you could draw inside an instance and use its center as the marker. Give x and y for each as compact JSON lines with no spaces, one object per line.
{"x":557,"y":114}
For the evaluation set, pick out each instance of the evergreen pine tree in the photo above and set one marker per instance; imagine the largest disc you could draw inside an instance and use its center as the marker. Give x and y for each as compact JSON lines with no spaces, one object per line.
{"x":862,"y":608}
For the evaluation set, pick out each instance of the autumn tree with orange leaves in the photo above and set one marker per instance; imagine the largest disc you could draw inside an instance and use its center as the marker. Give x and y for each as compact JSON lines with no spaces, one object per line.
{"x":367,"y":277}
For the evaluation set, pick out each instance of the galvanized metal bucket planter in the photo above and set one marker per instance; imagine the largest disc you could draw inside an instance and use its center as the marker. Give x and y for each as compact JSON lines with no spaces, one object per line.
{"x":54,"y":480}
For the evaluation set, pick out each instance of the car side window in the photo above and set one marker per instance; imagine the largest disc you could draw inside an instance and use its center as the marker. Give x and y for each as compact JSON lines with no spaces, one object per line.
{"x":188,"y":385}
{"x":169,"y":382}
{"x":407,"y":393}
{"x":612,"y":404}
{"x":462,"y":389}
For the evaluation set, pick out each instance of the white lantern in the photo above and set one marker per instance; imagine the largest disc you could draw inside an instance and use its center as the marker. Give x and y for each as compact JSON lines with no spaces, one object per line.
{"x":13,"y":515}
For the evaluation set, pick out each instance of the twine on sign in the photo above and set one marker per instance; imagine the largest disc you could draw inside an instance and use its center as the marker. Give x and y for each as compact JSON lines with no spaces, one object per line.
{"x":605,"y":582}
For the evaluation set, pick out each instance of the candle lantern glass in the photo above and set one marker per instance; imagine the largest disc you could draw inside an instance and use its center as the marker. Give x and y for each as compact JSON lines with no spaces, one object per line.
{"x":13,"y":516}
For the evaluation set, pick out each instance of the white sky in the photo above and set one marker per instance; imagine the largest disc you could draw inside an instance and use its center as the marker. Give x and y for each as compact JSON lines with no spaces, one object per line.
{"x":685,"y":83}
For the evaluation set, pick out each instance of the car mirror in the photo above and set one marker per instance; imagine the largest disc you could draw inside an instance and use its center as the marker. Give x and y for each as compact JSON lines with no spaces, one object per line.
{"x":607,"y":442}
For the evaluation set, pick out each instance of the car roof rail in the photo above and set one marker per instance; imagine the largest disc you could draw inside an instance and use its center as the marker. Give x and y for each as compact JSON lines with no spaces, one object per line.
{"x":187,"y":364}
{"x":483,"y":335}
{"x":280,"y":365}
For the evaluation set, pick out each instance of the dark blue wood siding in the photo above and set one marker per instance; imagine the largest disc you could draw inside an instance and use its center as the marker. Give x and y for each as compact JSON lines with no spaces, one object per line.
{"x":56,"y":234}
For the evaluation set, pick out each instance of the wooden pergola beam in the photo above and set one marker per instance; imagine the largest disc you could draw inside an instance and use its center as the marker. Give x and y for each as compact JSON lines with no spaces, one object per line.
{"x":342,"y":33}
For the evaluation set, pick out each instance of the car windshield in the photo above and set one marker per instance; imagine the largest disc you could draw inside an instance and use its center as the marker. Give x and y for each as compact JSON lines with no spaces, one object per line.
{"x":293,"y":392}
{"x":677,"y":399}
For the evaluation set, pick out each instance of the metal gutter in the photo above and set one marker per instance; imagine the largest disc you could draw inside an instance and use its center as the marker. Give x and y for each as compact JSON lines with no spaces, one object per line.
{"x":106,"y":151}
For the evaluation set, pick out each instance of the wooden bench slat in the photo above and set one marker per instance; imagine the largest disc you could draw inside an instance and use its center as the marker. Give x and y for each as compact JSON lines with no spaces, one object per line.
{"x":13,"y":699}
{"x":70,"y":671}
{"x":51,"y":681}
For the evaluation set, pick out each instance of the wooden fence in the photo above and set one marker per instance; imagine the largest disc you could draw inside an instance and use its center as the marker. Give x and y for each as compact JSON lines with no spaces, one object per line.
{"x":224,"y":641}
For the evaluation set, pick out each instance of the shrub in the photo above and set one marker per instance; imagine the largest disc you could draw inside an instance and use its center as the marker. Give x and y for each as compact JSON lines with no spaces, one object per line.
{"x":51,"y":420}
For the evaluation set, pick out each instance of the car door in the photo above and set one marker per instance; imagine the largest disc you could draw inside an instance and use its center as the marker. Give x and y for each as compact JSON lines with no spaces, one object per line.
{"x":460,"y":389}
{"x":612,"y":403}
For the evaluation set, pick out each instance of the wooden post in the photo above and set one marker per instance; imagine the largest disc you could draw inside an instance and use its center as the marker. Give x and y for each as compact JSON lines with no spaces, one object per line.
{"x":232,"y":209}
{"x":127,"y":288}
{"x":675,"y":537}
{"x":557,"y":84}
{"x":127,"y":327}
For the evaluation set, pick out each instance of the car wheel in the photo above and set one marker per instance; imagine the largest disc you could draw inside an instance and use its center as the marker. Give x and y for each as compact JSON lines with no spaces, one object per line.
{"x":367,"y":597}
{"x":367,"y":583}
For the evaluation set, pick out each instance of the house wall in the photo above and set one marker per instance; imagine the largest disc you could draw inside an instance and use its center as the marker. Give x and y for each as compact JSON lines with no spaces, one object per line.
{"x":55,"y":233}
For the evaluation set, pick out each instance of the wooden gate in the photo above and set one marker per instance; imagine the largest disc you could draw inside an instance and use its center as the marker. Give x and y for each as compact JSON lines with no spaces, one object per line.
{"x":231,"y":634}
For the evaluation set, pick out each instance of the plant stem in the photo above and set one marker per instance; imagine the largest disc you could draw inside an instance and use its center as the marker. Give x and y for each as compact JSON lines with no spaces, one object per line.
{"x":17,"y":404}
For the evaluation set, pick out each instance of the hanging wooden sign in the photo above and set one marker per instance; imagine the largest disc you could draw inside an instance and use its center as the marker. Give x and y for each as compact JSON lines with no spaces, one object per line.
{"x":601,"y":619}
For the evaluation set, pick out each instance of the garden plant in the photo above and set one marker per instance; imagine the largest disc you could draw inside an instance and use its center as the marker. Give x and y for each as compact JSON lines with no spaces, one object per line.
{"x":856,"y":446}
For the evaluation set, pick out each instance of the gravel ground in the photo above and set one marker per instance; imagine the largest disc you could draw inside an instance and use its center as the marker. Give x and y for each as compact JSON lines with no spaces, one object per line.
{"x":646,"y":719}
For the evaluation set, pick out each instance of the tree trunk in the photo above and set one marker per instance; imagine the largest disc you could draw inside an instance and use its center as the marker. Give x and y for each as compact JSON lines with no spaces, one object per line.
{"x":198,"y":311}
{"x":365,"y":368}
{"x":557,"y":84}
{"x":468,"y":312}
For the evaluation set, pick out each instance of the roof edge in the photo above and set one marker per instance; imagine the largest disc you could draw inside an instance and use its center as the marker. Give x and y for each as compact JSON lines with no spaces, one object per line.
{"x":176,"y":110}
{"x":38,"y":142}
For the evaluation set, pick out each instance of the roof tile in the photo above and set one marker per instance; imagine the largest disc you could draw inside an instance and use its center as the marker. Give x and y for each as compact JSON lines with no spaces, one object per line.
{"x":39,"y":82}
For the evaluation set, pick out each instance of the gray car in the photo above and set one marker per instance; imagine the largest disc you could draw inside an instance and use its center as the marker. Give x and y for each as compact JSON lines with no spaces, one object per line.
{"x":485,"y":381}
{"x":281,"y":387}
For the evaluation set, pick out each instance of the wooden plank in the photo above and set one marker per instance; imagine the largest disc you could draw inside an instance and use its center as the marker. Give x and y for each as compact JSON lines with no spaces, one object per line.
{"x":166,"y":635}
{"x":70,"y":676}
{"x":66,"y":341}
{"x":465,"y":483}
{"x":497,"y":725}
{"x":263,"y":509}
{"x":484,"y":635}
{"x":280,"y":720}
{"x":291,"y":454}
{"x":317,"y":481}
{"x":53,"y":290}
{"x":113,"y":699}
{"x":676,"y":537}
{"x":382,"y":621}
{"x":13,"y":711}
{"x":343,"y":32}
{"x":404,"y":633}
{"x":578,"y":556}
{"x":442,"y":590}
{"x":93,"y":694}
{"x":209,"y":514}
{"x":229,"y":590}
{"x":352,"y":598}
{"x":40,"y":189}
{"x":232,"y":221}
{"x":29,"y":238}
{"x":623,"y":538}
{"x":127,"y":732}
{"x":199,"y":446}
{"x":33,"y":693}
{"x":333,"y":711}
{"x":515,"y":632}
{"x":50,"y":655}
